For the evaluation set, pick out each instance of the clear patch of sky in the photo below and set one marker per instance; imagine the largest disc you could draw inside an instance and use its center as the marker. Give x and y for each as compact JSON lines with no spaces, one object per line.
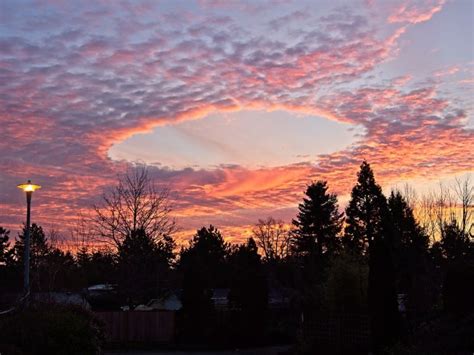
{"x":246,"y":138}
{"x":447,"y":39}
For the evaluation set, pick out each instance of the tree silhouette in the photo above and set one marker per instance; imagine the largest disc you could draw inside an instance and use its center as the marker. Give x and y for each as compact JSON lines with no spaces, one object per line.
{"x":142,"y":267}
{"x":454,"y":242}
{"x":134,"y":204}
{"x":365,"y":212}
{"x":318,"y":223}
{"x":368,"y":231}
{"x":203,"y":266}
{"x":5,"y":254}
{"x":39,"y":247}
{"x":51,"y":269}
{"x":273,"y":238}
{"x":248,"y":293}
{"x":98,"y":267}
{"x":410,"y":253}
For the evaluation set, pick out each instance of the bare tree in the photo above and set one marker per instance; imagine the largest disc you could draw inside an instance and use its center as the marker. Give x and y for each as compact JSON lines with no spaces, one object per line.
{"x":464,"y":190}
{"x":445,"y":205}
{"x":273,"y":238}
{"x":410,"y":195}
{"x":135,"y":203}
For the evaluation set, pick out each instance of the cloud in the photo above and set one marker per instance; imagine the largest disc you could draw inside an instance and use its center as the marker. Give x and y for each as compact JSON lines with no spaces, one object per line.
{"x":68,"y":95}
{"x":416,"y":11}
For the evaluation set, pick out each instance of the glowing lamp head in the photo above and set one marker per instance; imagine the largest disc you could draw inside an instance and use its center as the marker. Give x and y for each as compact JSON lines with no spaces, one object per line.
{"x":29,"y":187}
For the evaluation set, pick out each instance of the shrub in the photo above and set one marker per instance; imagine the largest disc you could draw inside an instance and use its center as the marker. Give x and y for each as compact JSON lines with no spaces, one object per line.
{"x":51,"y":329}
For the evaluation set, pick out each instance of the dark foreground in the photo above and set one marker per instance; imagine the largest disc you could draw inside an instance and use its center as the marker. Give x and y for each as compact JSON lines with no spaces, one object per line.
{"x":269,"y":350}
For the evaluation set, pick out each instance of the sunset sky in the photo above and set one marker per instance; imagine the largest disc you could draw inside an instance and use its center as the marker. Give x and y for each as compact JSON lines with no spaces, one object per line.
{"x":234,"y":105}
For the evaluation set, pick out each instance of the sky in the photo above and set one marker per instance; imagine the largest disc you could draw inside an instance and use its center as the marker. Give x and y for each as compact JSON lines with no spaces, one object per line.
{"x":235,"y":106}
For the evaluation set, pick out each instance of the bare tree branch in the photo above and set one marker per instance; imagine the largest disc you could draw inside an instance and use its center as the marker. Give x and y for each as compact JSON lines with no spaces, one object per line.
{"x":273,"y":238}
{"x":134,"y":204}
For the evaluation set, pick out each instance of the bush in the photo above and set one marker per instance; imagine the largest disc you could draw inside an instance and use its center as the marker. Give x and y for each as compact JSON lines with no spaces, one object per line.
{"x":345,"y":289}
{"x":51,"y":329}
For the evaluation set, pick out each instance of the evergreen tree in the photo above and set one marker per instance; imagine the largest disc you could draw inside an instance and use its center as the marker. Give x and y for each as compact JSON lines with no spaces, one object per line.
{"x":318,"y":223}
{"x":365,"y":212}
{"x":248,"y":293}
{"x":203,"y":266}
{"x":410,"y":251}
{"x":166,"y":250}
{"x":39,"y":246}
{"x":454,"y":242}
{"x":368,"y":232}
{"x":143,"y":266}
{"x":101,"y":268}
{"x":7,"y":273}
{"x":39,"y":250}
{"x":59,"y":271}
{"x":314,"y":240}
{"x":5,"y":254}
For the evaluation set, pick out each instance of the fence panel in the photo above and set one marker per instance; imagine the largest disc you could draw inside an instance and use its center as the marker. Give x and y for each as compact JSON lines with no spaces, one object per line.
{"x":138,"y":326}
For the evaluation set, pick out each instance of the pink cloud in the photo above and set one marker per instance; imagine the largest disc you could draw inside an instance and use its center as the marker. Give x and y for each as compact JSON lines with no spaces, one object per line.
{"x":66,"y":101}
{"x":416,"y":12}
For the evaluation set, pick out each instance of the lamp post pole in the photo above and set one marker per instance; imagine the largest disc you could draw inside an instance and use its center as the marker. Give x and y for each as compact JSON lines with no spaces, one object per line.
{"x":28,"y":188}
{"x":26,"y":273}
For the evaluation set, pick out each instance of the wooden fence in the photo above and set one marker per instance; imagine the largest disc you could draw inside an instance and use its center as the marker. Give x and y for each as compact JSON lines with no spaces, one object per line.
{"x":138,"y":326}
{"x":341,"y":332}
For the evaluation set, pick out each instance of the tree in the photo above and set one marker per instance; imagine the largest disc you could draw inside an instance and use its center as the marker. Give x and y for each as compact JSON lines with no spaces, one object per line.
{"x":368,"y":232}
{"x":464,"y":190}
{"x":410,"y":253}
{"x":134,"y":204}
{"x":51,"y":269}
{"x":99,"y":267}
{"x":314,"y":240}
{"x":365,"y":213}
{"x":454,"y":242}
{"x":318,"y":223}
{"x":39,"y":246}
{"x":139,"y":263}
{"x":5,"y":254}
{"x":59,"y":269}
{"x":248,"y":293}
{"x":273,"y":238}
{"x":203,"y":266}
{"x":345,"y":289}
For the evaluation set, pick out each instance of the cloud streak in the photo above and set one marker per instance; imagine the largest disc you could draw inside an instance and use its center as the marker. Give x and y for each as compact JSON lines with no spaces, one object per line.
{"x":91,"y":77}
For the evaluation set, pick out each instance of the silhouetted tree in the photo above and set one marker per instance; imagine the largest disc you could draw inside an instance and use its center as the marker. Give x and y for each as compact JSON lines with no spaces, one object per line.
{"x":5,"y":254}
{"x":203,"y":266}
{"x":318,"y":223}
{"x":368,"y":231}
{"x":39,"y":247}
{"x":165,"y":249}
{"x":136,"y":203}
{"x":454,"y":242}
{"x":314,"y":240}
{"x":39,"y":250}
{"x":464,"y":191}
{"x":97,"y":267}
{"x":248,"y":293}
{"x":273,"y":238}
{"x":143,"y":266}
{"x":345,"y":289}
{"x":59,"y":269}
{"x":365,"y":213}
{"x":410,"y":251}
{"x":9,"y":276}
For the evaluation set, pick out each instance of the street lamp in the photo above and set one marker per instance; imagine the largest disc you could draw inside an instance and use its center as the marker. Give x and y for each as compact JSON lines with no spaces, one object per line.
{"x":28,"y":188}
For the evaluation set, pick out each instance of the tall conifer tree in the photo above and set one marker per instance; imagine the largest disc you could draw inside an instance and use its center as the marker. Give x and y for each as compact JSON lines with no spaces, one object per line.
{"x":318,"y":222}
{"x":368,"y":232}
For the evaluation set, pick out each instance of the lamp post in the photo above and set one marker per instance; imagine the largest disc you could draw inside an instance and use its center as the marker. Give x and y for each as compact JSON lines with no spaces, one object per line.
{"x":28,"y":188}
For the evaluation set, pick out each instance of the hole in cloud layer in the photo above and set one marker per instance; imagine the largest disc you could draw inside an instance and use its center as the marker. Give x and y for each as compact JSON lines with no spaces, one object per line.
{"x":246,"y":138}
